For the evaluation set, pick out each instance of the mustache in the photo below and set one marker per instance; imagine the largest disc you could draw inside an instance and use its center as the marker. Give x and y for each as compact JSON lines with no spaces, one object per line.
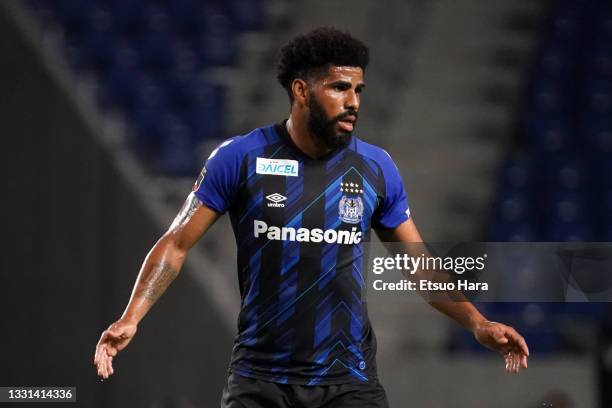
{"x":349,"y":112}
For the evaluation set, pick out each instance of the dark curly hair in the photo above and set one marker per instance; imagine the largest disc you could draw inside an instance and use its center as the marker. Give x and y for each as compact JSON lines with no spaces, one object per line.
{"x":310,"y":53}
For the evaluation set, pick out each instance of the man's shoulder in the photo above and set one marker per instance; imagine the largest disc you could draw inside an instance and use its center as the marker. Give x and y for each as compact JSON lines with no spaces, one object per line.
{"x":240,"y":145}
{"x":373,"y":152}
{"x":246,"y":141}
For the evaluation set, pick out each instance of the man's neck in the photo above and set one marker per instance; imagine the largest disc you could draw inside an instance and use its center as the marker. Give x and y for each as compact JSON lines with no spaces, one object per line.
{"x":304,"y":140}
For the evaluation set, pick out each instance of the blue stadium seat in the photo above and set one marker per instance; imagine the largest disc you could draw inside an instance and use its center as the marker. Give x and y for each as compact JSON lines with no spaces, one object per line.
{"x":596,"y":132}
{"x":120,"y":88}
{"x":97,"y":51}
{"x":178,"y":152}
{"x":569,"y":232}
{"x":598,"y":61}
{"x":554,"y":61}
{"x":606,"y":233}
{"x":187,"y":62}
{"x":156,"y":53}
{"x":187,"y":19}
{"x":561,"y":172}
{"x":603,"y":22}
{"x":550,"y":133}
{"x":517,"y":173}
{"x":217,"y":44}
{"x":568,"y":207}
{"x":128,"y":17}
{"x":74,"y":16}
{"x":208,"y":111}
{"x":247,"y":14}
{"x":598,"y":96}
{"x":512,"y":232}
{"x":550,"y":95}
{"x":514,"y":207}
{"x":147,"y":132}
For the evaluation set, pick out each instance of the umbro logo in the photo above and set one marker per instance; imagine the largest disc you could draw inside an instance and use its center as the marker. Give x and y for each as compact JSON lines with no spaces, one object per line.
{"x":276,"y":200}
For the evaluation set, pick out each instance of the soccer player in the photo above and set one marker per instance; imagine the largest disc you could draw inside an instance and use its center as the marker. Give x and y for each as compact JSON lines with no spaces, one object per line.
{"x":303,"y":196}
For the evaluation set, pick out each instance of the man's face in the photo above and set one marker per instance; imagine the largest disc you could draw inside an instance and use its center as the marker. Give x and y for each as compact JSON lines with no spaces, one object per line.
{"x":333,"y":105}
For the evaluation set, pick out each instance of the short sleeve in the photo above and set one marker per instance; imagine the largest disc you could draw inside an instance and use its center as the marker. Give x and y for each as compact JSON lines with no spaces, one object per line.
{"x":393,"y":210}
{"x":217,"y":184}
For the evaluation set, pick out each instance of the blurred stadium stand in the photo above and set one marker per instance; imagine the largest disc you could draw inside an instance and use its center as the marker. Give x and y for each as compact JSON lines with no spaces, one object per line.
{"x":554,"y":185}
{"x":76,"y":232}
{"x":442,"y":97}
{"x":150,"y":62}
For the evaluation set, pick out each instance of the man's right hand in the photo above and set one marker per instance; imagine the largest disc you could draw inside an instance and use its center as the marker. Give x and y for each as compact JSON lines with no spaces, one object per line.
{"x":160,"y":268}
{"x":112,"y":341}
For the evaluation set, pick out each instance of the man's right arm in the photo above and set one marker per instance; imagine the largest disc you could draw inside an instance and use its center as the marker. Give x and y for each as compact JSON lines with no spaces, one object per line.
{"x":160,"y":267}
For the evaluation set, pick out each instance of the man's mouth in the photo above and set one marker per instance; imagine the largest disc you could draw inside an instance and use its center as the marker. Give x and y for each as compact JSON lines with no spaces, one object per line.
{"x":347,"y":123}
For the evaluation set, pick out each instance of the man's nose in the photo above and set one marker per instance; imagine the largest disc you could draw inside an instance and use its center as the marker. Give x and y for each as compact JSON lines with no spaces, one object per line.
{"x":352,"y":100}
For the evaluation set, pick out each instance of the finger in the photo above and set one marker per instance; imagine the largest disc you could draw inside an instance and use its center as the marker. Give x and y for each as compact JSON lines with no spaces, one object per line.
{"x":523,"y":346}
{"x":109,"y":365}
{"x":516,"y":361}
{"x":101,"y":366}
{"x":519,"y":340}
{"x":111,"y":351}
{"x":104,"y":363}
{"x":98,"y":356}
{"x":100,"y":369}
{"x":524,"y":361}
{"x":106,"y":369}
{"x":508,"y":360}
{"x":519,"y":356}
{"x":97,"y":360}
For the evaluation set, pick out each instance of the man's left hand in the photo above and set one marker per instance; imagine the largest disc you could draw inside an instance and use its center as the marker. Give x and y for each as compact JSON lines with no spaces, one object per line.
{"x":505,"y":340}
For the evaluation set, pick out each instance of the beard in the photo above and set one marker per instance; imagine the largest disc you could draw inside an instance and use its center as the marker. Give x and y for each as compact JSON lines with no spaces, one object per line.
{"x":324,"y":128}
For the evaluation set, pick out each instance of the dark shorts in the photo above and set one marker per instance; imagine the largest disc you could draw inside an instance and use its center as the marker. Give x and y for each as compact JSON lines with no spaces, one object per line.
{"x":243,"y":392}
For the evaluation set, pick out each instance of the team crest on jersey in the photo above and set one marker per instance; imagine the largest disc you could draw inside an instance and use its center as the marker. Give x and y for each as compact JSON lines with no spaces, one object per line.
{"x":351,"y":209}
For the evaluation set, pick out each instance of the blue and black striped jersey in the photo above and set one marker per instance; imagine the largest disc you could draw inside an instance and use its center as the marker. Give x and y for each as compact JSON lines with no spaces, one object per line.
{"x":302,"y":226}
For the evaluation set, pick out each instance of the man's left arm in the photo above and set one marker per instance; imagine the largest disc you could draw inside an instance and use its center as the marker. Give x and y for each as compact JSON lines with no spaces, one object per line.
{"x":495,"y":336}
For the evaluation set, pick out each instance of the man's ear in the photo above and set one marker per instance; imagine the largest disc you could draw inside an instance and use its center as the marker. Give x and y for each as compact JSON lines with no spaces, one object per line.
{"x":299,"y":88}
